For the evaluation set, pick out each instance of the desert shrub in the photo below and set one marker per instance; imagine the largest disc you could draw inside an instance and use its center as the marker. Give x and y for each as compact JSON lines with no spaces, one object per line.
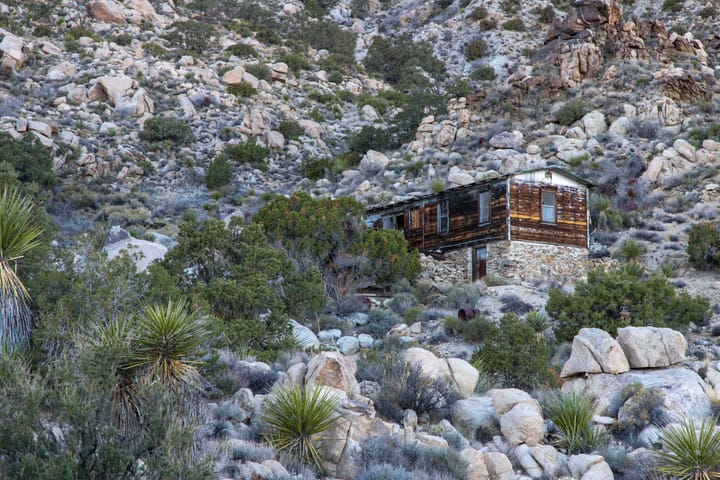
{"x":318,"y":8}
{"x":296,"y":62}
{"x":483,"y":73}
{"x":703,"y":243}
{"x":513,"y":350}
{"x":644,"y":129}
{"x":329,"y":36}
{"x":294,"y":415}
{"x":426,"y":462}
{"x":398,"y":60}
{"x":290,"y":129}
{"x":641,"y":408}
{"x":219,"y":173}
{"x":247,"y":152}
{"x":463,"y":296}
{"x":370,"y":138}
{"x":474,"y":330}
{"x":547,"y":14}
{"x":191,"y":37}
{"x":672,"y":6}
{"x":690,"y":451}
{"x":620,"y":297}
{"x":314,"y":168}
{"x":405,"y":387}
{"x":161,"y":129}
{"x":242,"y":50}
{"x":514,"y":25}
{"x":260,"y":71}
{"x":476,"y":49}
{"x":388,"y":256}
{"x":572,"y":413}
{"x":31,"y":161}
{"x":571,"y":111}
{"x":401,"y":302}
{"x":513,"y":303}
{"x":479,"y":13}
{"x":380,"y":321}
{"x":241,"y":90}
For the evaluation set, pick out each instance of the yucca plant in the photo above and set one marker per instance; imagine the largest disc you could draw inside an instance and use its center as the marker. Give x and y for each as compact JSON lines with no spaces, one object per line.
{"x":295,"y":416}
{"x":166,"y":337}
{"x":691,"y":452}
{"x":18,"y":235}
{"x":572,"y":413}
{"x":111,"y":356}
{"x":631,"y":250}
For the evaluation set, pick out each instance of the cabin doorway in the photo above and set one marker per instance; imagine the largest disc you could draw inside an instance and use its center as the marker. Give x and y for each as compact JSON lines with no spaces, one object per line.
{"x":479,"y":263}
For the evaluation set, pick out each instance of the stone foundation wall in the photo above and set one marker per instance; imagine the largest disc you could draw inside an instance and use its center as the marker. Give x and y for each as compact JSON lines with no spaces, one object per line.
{"x":454,"y":266}
{"x":528,"y":261}
{"x":524,"y":261}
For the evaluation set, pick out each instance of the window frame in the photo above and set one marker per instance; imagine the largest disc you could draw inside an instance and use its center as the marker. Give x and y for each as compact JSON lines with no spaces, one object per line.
{"x":441,"y":216}
{"x":543,"y":207}
{"x":415,"y":211}
{"x":488,"y":207}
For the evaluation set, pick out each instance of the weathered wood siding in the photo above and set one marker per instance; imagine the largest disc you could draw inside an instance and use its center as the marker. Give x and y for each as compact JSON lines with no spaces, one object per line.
{"x":465,"y":218}
{"x":570,"y":227}
{"x":464,"y":212}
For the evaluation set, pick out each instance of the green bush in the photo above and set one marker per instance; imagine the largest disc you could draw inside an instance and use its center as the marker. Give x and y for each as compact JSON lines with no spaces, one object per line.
{"x":476,"y":49}
{"x":641,"y":408}
{"x":672,"y":6}
{"x":691,"y":452}
{"x":572,"y":413}
{"x":161,"y":129}
{"x":241,"y":90}
{"x":247,"y":152}
{"x":219,"y":173}
{"x":472,"y":331}
{"x":620,"y":297}
{"x":295,"y":417}
{"x":631,"y":250}
{"x":192,"y":37}
{"x":547,"y":14}
{"x":571,"y":111}
{"x":370,"y":138}
{"x":479,"y":13}
{"x":514,"y":25}
{"x":242,"y":50}
{"x":484,"y":73}
{"x":260,"y":71}
{"x":703,"y":245}
{"x":388,"y":257}
{"x":397,"y":61}
{"x":296,"y":62}
{"x":329,"y":36}
{"x":463,"y":296}
{"x":268,"y":35}
{"x":319,"y":8}
{"x":513,"y":350}
{"x":290,"y":129}
{"x":30,"y":159}
{"x":314,"y":168}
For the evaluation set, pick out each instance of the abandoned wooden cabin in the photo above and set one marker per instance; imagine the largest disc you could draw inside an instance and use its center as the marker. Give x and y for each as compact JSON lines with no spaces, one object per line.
{"x":530,"y":225}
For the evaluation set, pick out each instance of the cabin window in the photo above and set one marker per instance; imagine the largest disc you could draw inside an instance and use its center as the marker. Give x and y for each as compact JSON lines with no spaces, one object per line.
{"x":444,"y":217}
{"x":484,"y":207}
{"x":415,"y":218}
{"x":393,"y":222}
{"x":548,"y":207}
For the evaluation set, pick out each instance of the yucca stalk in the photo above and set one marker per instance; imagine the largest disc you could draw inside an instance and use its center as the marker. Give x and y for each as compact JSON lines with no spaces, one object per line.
{"x":295,"y":416}
{"x":18,"y":235}
{"x":166,"y":337}
{"x":690,"y":452}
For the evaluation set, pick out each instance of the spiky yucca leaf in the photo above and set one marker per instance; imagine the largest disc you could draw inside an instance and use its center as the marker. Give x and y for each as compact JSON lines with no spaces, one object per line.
{"x":166,"y":338}
{"x":691,"y":453}
{"x":112,"y":354}
{"x":294,"y":416}
{"x":18,"y":235}
{"x":572,"y":413}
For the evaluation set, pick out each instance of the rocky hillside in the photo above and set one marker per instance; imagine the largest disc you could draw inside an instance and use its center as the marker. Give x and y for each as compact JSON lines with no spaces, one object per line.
{"x":134,"y":121}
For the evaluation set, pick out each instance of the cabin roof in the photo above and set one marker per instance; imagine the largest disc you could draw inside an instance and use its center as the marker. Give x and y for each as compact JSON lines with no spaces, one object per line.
{"x":470,"y":186}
